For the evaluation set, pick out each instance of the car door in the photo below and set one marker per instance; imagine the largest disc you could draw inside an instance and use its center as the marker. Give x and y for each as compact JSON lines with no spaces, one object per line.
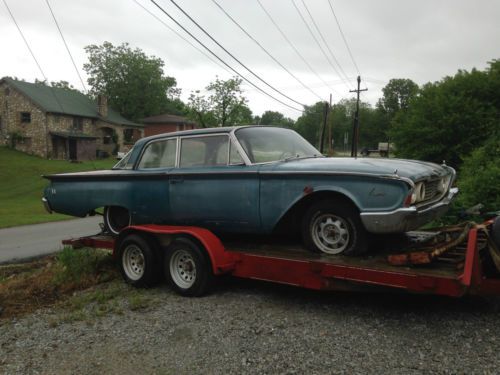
{"x":212,"y":187}
{"x":150,"y":185}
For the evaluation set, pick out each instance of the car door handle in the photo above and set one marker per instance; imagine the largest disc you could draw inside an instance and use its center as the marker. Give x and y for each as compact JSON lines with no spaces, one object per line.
{"x":177,"y":180}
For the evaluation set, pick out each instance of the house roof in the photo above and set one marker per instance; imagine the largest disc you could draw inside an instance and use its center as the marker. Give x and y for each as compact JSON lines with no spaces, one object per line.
{"x":64,"y":101}
{"x":166,"y":119}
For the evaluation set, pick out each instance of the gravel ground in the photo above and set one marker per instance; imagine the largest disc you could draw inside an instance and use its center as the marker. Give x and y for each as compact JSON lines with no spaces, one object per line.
{"x":252,"y":327}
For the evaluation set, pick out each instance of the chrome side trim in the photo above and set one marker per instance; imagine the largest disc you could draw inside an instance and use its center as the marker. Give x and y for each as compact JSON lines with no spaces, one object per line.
{"x":46,"y":204}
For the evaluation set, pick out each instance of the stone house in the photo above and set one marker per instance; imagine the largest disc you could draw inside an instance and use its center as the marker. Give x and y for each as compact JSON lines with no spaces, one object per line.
{"x":59,"y":123}
{"x":166,"y":123}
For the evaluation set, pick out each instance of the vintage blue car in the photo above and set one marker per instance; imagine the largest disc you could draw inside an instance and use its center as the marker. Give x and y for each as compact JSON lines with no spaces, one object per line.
{"x":257,"y":179}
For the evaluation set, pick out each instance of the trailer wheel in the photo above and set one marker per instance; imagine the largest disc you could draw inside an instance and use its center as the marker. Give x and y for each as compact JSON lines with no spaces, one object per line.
{"x":334,"y":227}
{"x":115,"y":219}
{"x":139,"y":265}
{"x":188,"y":268}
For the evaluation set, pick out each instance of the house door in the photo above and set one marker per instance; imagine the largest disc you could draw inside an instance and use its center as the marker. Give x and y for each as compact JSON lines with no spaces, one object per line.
{"x":72,"y":149}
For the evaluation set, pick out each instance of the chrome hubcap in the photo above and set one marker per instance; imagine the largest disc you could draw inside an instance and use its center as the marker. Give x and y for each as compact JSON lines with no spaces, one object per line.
{"x":133,"y":262}
{"x":182,"y":269}
{"x":330,"y":233}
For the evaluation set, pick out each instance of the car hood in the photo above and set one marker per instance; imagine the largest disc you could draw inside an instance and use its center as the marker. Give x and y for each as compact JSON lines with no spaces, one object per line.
{"x":412,"y":169}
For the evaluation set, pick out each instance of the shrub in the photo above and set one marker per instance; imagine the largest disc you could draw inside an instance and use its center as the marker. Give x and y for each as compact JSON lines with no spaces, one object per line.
{"x":479,"y":177}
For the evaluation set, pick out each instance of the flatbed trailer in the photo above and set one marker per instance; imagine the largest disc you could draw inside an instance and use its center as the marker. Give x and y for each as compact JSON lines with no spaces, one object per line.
{"x":191,"y":257}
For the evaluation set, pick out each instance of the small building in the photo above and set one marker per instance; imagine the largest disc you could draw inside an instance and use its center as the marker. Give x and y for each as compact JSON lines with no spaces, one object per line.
{"x":58,"y":123}
{"x":166,"y":123}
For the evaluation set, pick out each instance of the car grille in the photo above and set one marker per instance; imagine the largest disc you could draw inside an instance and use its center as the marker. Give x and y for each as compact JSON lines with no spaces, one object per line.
{"x":431,"y":190}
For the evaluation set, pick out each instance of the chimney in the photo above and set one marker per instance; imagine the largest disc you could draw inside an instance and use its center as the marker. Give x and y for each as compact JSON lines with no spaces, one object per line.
{"x":102,"y":105}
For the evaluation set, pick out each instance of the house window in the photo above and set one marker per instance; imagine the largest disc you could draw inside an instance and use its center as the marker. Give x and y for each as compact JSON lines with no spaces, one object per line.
{"x":128,"y":135}
{"x":26,"y":117}
{"x":7,"y":91}
{"x":77,"y":123}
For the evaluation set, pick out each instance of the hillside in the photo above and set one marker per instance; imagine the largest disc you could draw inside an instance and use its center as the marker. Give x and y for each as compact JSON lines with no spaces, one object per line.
{"x":21,"y":185}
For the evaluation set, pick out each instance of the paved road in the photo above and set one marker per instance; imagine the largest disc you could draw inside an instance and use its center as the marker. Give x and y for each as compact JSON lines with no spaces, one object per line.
{"x":32,"y":240}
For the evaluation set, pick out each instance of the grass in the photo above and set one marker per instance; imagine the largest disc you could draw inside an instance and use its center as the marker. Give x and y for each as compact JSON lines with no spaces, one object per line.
{"x":82,"y":284}
{"x":22,"y":186}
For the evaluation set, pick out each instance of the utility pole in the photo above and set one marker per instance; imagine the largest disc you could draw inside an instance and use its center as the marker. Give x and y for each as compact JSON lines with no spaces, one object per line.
{"x":330,"y":146}
{"x":323,"y":128}
{"x":355,"y":126}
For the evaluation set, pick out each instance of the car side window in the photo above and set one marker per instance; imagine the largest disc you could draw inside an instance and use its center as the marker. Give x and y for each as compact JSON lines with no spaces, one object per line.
{"x":234,"y":156}
{"x":160,"y":154}
{"x":204,"y":151}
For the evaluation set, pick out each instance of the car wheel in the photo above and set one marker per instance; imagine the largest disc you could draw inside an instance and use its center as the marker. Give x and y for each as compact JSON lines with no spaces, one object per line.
{"x":139,"y":263}
{"x":334,"y":227}
{"x":188,"y":268}
{"x":115,"y":219}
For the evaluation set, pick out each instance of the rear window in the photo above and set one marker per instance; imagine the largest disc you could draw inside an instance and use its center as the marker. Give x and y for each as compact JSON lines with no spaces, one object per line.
{"x":204,"y":151}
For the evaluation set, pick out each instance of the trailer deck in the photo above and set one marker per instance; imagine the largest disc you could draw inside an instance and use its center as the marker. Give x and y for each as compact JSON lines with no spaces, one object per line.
{"x":462,"y":270}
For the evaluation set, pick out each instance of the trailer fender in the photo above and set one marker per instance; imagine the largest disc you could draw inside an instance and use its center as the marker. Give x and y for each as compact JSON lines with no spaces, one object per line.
{"x":221,"y":260}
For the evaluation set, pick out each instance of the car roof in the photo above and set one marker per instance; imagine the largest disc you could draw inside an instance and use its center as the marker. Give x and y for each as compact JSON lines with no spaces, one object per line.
{"x":225,"y":129}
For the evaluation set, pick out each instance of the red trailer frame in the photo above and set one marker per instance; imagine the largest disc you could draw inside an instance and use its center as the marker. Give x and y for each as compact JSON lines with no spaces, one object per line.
{"x":293,"y":265}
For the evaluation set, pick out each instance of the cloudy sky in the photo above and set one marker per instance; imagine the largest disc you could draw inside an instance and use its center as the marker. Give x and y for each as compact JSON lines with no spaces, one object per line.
{"x":422,"y":40}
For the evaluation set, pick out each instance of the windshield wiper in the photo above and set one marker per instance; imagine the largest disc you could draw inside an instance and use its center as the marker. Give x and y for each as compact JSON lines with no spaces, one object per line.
{"x":297,"y":157}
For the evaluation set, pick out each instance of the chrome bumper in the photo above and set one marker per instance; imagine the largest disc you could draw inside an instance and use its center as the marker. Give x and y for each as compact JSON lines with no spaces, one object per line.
{"x":46,"y":204}
{"x":407,"y":218}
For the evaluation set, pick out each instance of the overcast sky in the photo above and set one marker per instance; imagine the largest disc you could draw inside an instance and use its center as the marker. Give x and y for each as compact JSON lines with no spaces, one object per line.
{"x":422,"y":40}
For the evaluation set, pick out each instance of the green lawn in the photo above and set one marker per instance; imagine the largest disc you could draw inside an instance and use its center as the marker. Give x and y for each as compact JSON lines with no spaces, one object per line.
{"x":21,"y":185}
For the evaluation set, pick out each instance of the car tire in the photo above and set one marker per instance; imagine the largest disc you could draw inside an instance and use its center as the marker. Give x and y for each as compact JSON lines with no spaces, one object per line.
{"x":188,"y":268}
{"x":140,"y":265}
{"x":115,"y":219}
{"x":334,"y":227}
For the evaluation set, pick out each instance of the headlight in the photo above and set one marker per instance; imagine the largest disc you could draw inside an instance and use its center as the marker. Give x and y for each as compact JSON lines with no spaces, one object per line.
{"x":419,"y":192}
{"x":443,"y":184}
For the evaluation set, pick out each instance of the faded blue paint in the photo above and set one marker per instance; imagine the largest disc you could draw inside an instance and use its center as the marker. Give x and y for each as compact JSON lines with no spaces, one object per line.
{"x":235,"y":198}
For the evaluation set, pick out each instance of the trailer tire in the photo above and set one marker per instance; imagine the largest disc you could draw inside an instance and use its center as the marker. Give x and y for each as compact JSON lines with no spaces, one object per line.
{"x":334,"y":227}
{"x":188,"y":268}
{"x":139,"y":263}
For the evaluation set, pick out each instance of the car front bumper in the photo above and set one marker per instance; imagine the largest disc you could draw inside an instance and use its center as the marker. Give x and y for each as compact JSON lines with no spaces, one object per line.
{"x":407,"y":218}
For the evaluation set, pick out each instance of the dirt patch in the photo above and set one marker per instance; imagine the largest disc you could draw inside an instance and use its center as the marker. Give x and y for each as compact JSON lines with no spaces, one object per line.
{"x":27,"y":287}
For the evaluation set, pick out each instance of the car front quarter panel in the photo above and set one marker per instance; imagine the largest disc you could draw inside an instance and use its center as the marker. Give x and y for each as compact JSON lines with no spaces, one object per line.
{"x":279,"y":194}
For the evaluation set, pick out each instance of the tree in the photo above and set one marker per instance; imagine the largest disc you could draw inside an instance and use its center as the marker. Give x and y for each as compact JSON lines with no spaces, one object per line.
{"x":397,"y":95}
{"x":225,"y":106}
{"x":276,"y":118}
{"x":134,"y":83}
{"x":309,"y":123}
{"x":57,"y":84}
{"x":450,"y":118}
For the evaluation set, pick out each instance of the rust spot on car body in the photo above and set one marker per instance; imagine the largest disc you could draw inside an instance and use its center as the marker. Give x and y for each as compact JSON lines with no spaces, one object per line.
{"x":308,"y":190}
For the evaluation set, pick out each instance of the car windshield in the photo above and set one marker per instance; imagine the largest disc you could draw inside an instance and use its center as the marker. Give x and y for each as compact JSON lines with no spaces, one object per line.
{"x":267,"y":144}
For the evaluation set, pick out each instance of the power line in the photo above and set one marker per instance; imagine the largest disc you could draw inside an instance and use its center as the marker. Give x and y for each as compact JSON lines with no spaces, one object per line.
{"x":234,"y":57}
{"x":66,"y":45}
{"x":343,"y":36}
{"x":316,"y":39}
{"x":222,"y":61}
{"x":33,"y":55}
{"x":183,"y":38}
{"x":323,"y":38}
{"x":265,"y":50}
{"x":292,"y":45}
